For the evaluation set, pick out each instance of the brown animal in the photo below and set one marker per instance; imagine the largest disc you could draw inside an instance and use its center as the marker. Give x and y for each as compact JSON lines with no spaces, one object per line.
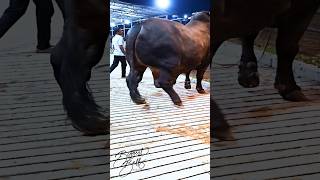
{"x":169,"y":49}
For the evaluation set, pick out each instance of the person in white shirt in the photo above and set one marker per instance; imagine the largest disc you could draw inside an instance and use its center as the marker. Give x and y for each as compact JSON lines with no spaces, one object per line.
{"x":119,"y":52}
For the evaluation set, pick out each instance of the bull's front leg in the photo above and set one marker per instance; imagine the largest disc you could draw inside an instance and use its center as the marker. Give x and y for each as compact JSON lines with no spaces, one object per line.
{"x":289,"y":34}
{"x":287,"y":48}
{"x":248,"y":76}
{"x":166,"y":79}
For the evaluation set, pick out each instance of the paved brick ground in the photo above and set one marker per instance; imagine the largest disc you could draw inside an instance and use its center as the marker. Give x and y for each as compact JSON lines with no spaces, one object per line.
{"x":175,"y":140}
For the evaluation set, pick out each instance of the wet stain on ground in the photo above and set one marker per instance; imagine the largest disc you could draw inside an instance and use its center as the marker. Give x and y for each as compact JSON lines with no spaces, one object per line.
{"x":77,"y":165}
{"x":263,"y":111}
{"x":224,"y":143}
{"x":146,"y":107}
{"x":192,"y":96}
{"x":200,"y":133}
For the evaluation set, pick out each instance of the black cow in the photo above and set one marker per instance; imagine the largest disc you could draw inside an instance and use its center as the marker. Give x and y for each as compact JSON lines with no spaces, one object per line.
{"x":79,"y":50}
{"x":169,"y":49}
{"x":245,"y":19}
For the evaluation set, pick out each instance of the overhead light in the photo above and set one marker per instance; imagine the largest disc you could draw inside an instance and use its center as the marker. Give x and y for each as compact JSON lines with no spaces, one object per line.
{"x":162,"y":4}
{"x":112,"y":24}
{"x":127,"y":21}
{"x":185,"y":16}
{"x":175,"y":16}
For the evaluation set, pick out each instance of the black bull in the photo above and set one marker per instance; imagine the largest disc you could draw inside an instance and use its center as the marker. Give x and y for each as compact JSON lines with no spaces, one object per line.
{"x":169,"y":49}
{"x":244,"y":19}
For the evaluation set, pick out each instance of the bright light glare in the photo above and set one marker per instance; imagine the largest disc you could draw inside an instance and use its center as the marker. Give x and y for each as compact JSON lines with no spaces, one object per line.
{"x":127,"y":22}
{"x":163,"y":4}
{"x":112,"y":24}
{"x":185,"y":16}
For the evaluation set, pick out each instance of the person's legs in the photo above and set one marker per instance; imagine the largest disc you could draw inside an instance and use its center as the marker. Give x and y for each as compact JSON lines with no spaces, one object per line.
{"x":123,"y":66}
{"x":12,"y":14}
{"x":115,"y":63}
{"x":44,"y":13}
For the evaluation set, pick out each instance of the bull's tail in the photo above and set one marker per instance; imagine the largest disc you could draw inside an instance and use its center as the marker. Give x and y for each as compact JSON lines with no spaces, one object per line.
{"x":135,"y":75}
{"x":130,"y":43}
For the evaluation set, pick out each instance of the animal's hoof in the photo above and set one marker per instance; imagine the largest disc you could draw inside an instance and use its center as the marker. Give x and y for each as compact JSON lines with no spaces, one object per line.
{"x":295,"y":96}
{"x":178,"y":103}
{"x":223,"y":134}
{"x":248,"y":76}
{"x":187,"y":85}
{"x":249,"y":80}
{"x":201,"y":91}
{"x":137,"y":99}
{"x":92,"y":125}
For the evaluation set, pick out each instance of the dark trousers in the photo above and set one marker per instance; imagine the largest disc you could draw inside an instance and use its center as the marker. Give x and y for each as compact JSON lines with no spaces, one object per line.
{"x":44,"y":13}
{"x":115,"y":63}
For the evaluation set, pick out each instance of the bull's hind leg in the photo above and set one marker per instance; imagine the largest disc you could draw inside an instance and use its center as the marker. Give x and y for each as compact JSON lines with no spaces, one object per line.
{"x":133,"y":79}
{"x":248,"y":76}
{"x":220,"y":129}
{"x":200,"y":73}
{"x":166,"y":80}
{"x":187,"y":82}
{"x":287,"y":45}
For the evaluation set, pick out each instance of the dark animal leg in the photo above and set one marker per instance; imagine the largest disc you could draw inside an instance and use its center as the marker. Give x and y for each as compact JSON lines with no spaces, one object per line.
{"x":248,"y":76}
{"x":72,"y":68}
{"x":173,"y":95}
{"x":166,"y":80}
{"x":287,"y":45}
{"x":200,"y":73}
{"x":133,"y":79}
{"x":219,"y":128}
{"x":187,"y":82}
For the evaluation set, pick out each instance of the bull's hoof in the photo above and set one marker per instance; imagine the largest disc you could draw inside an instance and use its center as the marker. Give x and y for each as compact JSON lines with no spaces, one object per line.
{"x":201,"y":91}
{"x":177,"y":102}
{"x":138,"y":100}
{"x":92,"y":125}
{"x":223,"y":134}
{"x":248,"y":76}
{"x":249,"y":81}
{"x":295,"y":96}
{"x":187,"y":85}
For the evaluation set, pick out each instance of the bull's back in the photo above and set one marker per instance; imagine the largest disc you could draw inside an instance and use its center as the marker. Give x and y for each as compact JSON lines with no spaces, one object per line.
{"x":158,"y":43}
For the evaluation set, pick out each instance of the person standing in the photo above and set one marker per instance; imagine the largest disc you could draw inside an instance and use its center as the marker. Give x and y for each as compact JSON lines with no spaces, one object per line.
{"x":119,"y":52}
{"x":44,"y":13}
